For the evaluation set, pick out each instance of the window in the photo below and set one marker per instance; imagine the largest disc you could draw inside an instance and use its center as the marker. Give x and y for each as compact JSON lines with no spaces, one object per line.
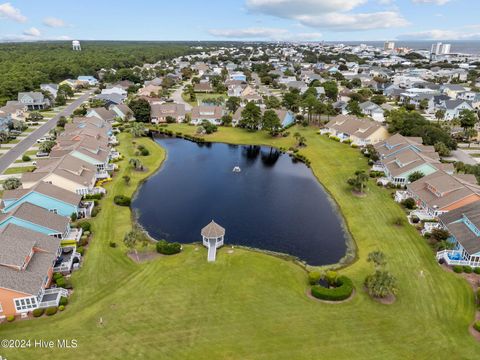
{"x":25,"y":304}
{"x":53,"y":211}
{"x":1,"y":308}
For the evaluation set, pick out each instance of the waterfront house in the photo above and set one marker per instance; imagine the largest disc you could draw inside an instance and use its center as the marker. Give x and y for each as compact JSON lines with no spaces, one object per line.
{"x":47,"y":196}
{"x":27,"y":261}
{"x":38,"y":219}
{"x":122,"y":111}
{"x":463,"y":225}
{"x":160,"y":112}
{"x":67,"y":172}
{"x":440,"y":192}
{"x":360,"y":132}
{"x":212,"y":114}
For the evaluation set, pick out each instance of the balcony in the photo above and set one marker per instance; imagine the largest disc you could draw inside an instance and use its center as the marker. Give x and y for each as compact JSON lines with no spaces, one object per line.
{"x":74,"y":235}
{"x":51,"y":297}
{"x":64,"y":263}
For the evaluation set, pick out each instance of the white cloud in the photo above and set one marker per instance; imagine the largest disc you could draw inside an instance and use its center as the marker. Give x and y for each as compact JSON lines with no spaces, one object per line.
{"x":291,"y":8}
{"x":54,"y":22}
{"x":8,"y":11}
{"x":437,"y":34}
{"x":334,"y":15}
{"x":29,"y":38}
{"x":33,"y":32}
{"x":352,"y":22}
{"x":436,"y":2}
{"x":265,"y":34}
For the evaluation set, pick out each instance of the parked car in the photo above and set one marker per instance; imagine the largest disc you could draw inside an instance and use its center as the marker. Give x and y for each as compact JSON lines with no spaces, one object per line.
{"x":41,"y":140}
{"x":41,"y":154}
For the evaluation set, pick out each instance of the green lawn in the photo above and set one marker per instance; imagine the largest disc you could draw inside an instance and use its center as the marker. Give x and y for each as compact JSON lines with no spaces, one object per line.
{"x":18,"y":170}
{"x":202,"y":96}
{"x":248,"y":305}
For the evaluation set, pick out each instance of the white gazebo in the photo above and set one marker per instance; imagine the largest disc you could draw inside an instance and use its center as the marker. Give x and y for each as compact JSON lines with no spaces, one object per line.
{"x":212,"y":236}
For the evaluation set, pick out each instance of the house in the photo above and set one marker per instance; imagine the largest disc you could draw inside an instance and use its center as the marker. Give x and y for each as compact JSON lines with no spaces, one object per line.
{"x":90,"y":80}
{"x":203,"y":87}
{"x":440,"y":192}
{"x":463,"y":225}
{"x":160,"y":112}
{"x":27,"y":261}
{"x":36,"y":218}
{"x":115,"y":90}
{"x":5,"y":120}
{"x":360,"y":132}
{"x":16,"y":110}
{"x":102,"y":113}
{"x":453,"y":108}
{"x":122,"y":111}
{"x":50,"y":88}
{"x":70,"y":82}
{"x":238,"y":75}
{"x":47,"y":196}
{"x":111,"y":99}
{"x":67,"y":172}
{"x":300,"y":85}
{"x":372,"y":110}
{"x":452,"y":90}
{"x":400,"y":166}
{"x":96,"y":156}
{"x":34,"y":100}
{"x":148,"y":90}
{"x":213,"y":114}
{"x":398,"y":143}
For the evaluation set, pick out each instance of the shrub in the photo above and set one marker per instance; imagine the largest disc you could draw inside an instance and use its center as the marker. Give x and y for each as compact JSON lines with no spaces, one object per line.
{"x":11,"y":318}
{"x":409,"y":203}
{"x":467,"y":269}
{"x":57,"y":276}
{"x":476,"y":270}
{"x":85,"y":225}
{"x":331,"y":277}
{"x":314,"y":277}
{"x":61,"y":307}
{"x":95,"y":211}
{"x":51,"y":311}
{"x":166,"y":248}
{"x":38,"y":312}
{"x":86,"y":233}
{"x":63,"y":301}
{"x":26,"y":158}
{"x":144,"y":152}
{"x":122,"y":200}
{"x":113,"y":244}
{"x":399,"y":221}
{"x":81,"y":250}
{"x":476,"y":325}
{"x":343,"y":290}
{"x":457,"y":268}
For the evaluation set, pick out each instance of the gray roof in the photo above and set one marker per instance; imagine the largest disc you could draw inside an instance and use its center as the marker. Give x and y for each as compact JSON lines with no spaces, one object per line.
{"x":213,"y":230}
{"x":31,"y":279}
{"x":47,"y":190}
{"x":40,"y":216}
{"x":468,"y":239}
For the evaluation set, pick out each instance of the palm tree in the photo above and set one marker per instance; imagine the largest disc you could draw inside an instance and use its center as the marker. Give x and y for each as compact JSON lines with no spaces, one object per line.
{"x":136,"y":163}
{"x":301,"y":140}
{"x":359,"y":181}
{"x":137,"y":130}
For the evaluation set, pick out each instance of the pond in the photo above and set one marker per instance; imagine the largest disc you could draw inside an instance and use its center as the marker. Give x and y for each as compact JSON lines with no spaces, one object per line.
{"x":273,"y":203}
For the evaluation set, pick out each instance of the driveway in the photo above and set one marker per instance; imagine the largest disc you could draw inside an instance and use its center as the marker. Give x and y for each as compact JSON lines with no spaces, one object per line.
{"x":177,"y":97}
{"x":462,"y":156}
{"x":23,"y":146}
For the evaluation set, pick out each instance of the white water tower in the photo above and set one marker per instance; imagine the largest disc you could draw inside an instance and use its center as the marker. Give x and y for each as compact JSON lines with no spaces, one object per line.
{"x":76,"y":45}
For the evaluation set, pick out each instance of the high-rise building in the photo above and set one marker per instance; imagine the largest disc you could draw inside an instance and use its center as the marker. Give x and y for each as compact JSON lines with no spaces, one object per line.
{"x":389,"y":46}
{"x":441,"y":49}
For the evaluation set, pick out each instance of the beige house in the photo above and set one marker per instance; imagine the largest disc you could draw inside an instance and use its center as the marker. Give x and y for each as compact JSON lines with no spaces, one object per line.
{"x":360,"y":131}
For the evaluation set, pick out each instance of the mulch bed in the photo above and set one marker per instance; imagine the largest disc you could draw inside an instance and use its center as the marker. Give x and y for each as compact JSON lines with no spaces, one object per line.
{"x":143,"y":256}
{"x":358,"y":194}
{"x":310,"y":296}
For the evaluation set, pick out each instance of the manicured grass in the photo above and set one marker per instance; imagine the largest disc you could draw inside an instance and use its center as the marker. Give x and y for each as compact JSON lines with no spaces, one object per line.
{"x":31,"y":152}
{"x":18,"y":170}
{"x":248,"y":305}
{"x":202,"y":96}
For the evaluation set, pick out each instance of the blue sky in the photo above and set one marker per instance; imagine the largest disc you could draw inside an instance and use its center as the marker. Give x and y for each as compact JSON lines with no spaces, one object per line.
{"x":311,"y":20}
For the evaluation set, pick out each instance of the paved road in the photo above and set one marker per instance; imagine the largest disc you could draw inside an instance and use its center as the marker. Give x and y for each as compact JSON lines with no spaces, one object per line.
{"x":462,"y":156}
{"x":32,"y":138}
{"x":177,"y":97}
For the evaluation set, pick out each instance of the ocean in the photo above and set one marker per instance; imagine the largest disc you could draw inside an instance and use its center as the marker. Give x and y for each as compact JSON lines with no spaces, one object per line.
{"x":465,"y":47}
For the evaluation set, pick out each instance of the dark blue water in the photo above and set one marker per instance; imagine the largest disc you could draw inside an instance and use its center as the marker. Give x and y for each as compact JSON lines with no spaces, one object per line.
{"x":272,"y":204}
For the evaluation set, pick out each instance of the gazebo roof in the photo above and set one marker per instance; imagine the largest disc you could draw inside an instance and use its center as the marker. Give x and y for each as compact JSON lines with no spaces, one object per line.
{"x":213,"y":230}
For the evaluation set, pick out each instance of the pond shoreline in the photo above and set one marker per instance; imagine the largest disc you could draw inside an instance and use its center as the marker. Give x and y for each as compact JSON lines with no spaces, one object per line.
{"x":351,"y":251}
